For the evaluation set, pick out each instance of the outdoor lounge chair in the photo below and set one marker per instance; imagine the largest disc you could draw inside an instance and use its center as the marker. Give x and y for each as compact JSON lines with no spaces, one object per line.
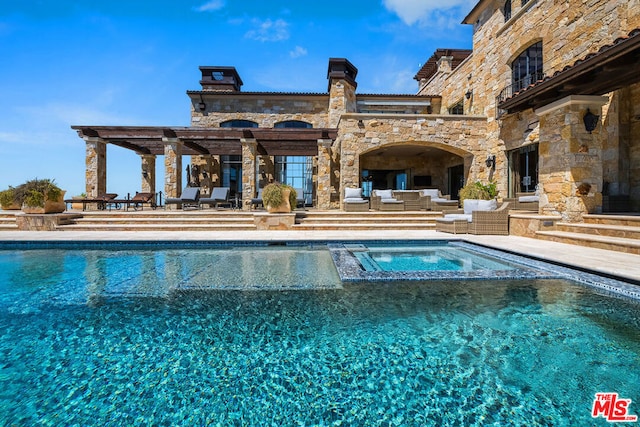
{"x":189,"y":198}
{"x":353,"y":200}
{"x":383,"y":200}
{"x":257,"y":201}
{"x":481,"y":216}
{"x":102,"y":201}
{"x":219,"y":195}
{"x":137,"y":201}
{"x":300,"y":200}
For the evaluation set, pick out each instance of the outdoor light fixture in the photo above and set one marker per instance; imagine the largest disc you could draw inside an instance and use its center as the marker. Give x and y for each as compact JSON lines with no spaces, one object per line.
{"x":145,"y":173}
{"x":201,"y":105}
{"x":468,"y":94}
{"x":491,"y":161}
{"x":590,"y":121}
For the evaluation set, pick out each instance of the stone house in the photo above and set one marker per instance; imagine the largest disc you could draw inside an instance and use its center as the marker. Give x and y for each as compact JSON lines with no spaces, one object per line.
{"x":512,"y":110}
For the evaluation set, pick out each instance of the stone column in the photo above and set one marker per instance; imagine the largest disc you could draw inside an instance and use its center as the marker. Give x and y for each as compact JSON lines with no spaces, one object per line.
{"x":148,"y":162}
{"x":96,"y":166}
{"x":570,"y":165}
{"x":249,"y":157}
{"x":323,"y":189}
{"x":172,"y":168}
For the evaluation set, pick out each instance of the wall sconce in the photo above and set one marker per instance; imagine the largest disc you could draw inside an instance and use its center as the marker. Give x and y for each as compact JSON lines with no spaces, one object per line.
{"x":590,"y":121}
{"x":201,"y":105}
{"x":145,"y":173}
{"x":491,"y":161}
{"x":360,"y":123}
{"x":468,"y":94}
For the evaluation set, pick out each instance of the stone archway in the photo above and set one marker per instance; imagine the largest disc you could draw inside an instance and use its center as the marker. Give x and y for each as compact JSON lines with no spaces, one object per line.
{"x":414,"y":165}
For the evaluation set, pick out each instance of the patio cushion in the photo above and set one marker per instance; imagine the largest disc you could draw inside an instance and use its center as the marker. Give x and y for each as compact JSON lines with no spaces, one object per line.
{"x":354,"y":199}
{"x":451,"y":217}
{"x":384,"y":194}
{"x":352,"y":193}
{"x":529,"y":198}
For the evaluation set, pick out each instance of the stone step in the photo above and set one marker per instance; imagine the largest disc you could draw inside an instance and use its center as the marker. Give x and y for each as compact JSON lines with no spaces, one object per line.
{"x":364,"y":226}
{"x":622,"y":220}
{"x":158,"y":227}
{"x":608,"y":230}
{"x":159,"y":220}
{"x":619,"y":244}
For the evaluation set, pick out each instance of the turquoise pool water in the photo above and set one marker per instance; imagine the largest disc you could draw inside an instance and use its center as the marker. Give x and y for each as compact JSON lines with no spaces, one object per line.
{"x":443,"y":257}
{"x":179,"y":337}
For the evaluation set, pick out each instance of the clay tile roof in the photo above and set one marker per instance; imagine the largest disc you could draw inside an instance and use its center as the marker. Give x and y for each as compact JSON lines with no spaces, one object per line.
{"x":431,"y":66}
{"x":587,"y":72}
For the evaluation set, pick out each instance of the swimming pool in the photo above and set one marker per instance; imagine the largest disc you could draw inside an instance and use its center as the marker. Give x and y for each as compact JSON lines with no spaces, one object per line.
{"x":166,"y":336}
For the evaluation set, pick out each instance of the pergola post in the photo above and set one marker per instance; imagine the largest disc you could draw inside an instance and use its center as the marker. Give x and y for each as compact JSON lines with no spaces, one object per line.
{"x":172,"y":167}
{"x":249,"y":158}
{"x":148,"y":162}
{"x":323,"y":189}
{"x":96,"y":166}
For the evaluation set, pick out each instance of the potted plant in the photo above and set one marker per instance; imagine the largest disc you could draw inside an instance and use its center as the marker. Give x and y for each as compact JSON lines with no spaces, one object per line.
{"x":479,"y":191}
{"x":7,"y":199}
{"x":278,"y":198}
{"x":35,"y":196}
{"x":478,"y":196}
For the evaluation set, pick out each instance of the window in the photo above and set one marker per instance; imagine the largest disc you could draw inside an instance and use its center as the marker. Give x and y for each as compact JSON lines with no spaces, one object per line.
{"x":238,"y":124}
{"x":527,"y":68}
{"x":524,"y":2}
{"x":232,"y":174}
{"x":217,"y":75}
{"x":296,"y":171}
{"x":457,"y":109}
{"x":523,"y":169}
{"x":293,"y":124}
{"x":507,"y":10}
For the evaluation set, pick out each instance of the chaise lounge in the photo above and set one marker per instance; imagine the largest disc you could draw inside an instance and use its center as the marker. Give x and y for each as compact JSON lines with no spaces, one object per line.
{"x":219,"y":195}
{"x":189,"y":198}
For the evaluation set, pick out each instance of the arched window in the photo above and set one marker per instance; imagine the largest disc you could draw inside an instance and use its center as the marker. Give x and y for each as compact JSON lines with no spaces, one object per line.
{"x":293,"y":124}
{"x":507,"y":10}
{"x":527,"y":67}
{"x":238,"y":124}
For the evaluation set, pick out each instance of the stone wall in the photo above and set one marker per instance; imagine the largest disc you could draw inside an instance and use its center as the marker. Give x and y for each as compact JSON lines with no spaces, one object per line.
{"x":462,"y":137}
{"x":568,"y":30}
{"x":264,"y":109}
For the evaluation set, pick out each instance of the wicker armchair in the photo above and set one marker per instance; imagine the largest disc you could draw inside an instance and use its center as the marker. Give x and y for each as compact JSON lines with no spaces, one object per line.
{"x":490,"y":222}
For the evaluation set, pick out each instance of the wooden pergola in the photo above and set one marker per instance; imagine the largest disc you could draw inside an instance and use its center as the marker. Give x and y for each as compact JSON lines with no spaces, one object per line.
{"x":175,"y":142}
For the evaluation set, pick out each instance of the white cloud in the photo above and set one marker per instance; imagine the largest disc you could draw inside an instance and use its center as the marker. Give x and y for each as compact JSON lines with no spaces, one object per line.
{"x":412,"y":11}
{"x":298,"y":52}
{"x":269,"y":31}
{"x":210,"y":6}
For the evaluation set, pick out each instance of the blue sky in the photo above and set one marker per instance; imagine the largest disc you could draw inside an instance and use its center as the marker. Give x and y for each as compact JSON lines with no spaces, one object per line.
{"x":128,"y":62}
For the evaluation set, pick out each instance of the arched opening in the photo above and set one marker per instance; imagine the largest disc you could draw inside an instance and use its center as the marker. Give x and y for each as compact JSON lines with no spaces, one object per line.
{"x":412,"y":166}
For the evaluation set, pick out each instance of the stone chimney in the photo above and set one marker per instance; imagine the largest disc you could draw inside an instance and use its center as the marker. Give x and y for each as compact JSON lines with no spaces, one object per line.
{"x":342,"y":89}
{"x":220,"y":79}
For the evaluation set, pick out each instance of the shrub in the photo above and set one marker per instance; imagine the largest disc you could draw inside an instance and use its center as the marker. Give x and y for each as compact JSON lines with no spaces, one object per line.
{"x":478,"y":190}
{"x":32,"y":193}
{"x":273,"y":195}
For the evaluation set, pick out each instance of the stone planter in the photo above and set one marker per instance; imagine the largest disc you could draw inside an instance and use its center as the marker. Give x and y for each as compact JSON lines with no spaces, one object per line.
{"x":11,"y":207}
{"x":50,"y":206}
{"x":285,"y":207}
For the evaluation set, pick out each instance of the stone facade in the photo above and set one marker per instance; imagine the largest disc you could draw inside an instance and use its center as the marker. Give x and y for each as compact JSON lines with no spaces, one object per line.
{"x":569,"y":30}
{"x":449,"y":128}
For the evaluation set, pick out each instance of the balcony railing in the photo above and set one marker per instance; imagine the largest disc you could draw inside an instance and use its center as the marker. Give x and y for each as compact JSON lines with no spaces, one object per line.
{"x":518,"y":85}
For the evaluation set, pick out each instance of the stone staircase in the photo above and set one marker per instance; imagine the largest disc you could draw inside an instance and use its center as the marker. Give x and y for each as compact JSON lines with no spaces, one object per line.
{"x":226,"y":220}
{"x":161,"y":220}
{"x":7,"y":221}
{"x":614,"y":232}
{"x":373,"y":220}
